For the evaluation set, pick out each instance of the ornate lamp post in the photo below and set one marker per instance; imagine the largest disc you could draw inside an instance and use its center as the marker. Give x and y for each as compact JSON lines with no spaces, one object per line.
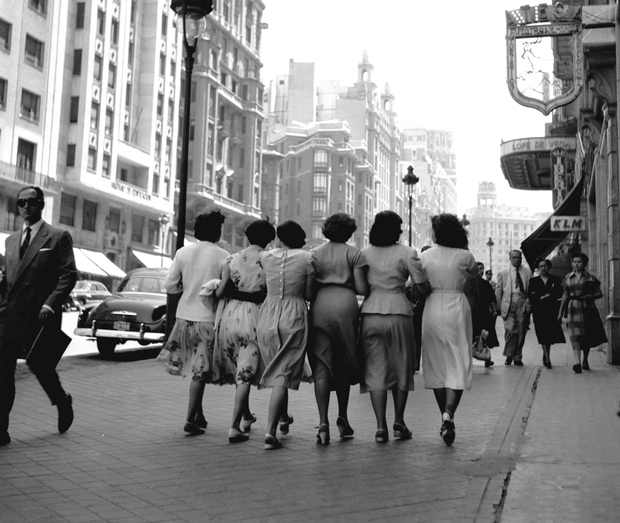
{"x":410,"y":180}
{"x":163,"y":222}
{"x":490,"y":245}
{"x":191,"y":21}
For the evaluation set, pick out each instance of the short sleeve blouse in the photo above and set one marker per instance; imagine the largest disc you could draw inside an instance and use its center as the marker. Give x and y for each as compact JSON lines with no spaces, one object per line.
{"x":335,"y":262}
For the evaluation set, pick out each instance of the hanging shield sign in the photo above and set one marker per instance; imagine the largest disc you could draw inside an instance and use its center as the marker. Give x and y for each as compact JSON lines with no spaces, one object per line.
{"x":541,"y":75}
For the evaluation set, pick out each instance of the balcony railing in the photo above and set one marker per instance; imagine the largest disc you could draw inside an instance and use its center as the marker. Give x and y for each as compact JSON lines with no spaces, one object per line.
{"x":26,"y":176}
{"x":221,"y":200}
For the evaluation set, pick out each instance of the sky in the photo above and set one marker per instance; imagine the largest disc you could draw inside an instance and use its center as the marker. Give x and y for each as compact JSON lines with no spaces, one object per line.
{"x":445,"y":63}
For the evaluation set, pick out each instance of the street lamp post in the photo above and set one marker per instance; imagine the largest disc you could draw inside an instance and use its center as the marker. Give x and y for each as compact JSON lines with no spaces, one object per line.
{"x":191,"y":18}
{"x":490,"y":245}
{"x":163,"y":222}
{"x":410,"y":180}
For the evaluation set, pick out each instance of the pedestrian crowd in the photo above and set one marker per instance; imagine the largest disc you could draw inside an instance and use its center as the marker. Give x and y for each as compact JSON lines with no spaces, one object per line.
{"x":244,"y":318}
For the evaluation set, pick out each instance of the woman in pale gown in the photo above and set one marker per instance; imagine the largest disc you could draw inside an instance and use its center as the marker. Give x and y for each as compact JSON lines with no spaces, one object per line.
{"x":446,"y":324}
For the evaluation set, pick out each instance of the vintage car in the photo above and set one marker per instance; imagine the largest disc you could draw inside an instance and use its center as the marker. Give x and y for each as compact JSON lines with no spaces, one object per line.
{"x":137,"y":311}
{"x":84,"y":292}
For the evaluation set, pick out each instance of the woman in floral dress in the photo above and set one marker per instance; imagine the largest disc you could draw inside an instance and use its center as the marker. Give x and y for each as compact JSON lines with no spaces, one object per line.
{"x":283,"y":322}
{"x":189,"y":349}
{"x":584,"y":323}
{"x":243,"y":283}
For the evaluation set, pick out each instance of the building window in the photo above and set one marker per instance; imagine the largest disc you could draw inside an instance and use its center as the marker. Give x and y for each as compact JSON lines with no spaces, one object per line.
{"x":97,"y":68}
{"x":111,"y":75}
{"x":130,"y":53}
{"x":241,"y":158}
{"x":89,"y":216}
{"x":30,"y":106}
{"x":34,"y":51}
{"x":38,"y":5}
{"x":92,"y":159}
{"x":114,"y":220}
{"x":137,"y":225}
{"x":74,"y":109}
{"x":167,"y":188}
{"x":154,"y":234}
{"x":170,"y":110}
{"x":192,"y":129}
{"x":124,"y":175}
{"x":26,"y":155}
{"x":164,"y":25}
{"x":320,"y":182}
{"x":3,"y":89}
{"x":160,"y":104}
{"x":67,"y":209}
{"x":71,"y":154}
{"x":155,"y":186}
{"x":244,"y":122}
{"x":79,"y":19}
{"x":114,"y":31}
{"x":105,"y":165}
{"x":94,"y":116}
{"x":158,"y":145}
{"x":168,"y":149}
{"x":162,"y":66}
{"x":244,"y":93}
{"x":319,"y":206}
{"x":77,"y":62}
{"x":100,"y":22}
{"x":5,"y":35}
{"x":320,"y":158}
{"x":109,"y":121}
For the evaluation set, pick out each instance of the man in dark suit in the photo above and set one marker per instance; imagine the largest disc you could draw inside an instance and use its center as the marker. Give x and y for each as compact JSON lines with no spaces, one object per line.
{"x":40,"y":273}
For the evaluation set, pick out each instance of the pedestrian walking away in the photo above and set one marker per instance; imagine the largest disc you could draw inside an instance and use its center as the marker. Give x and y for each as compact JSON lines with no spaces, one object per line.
{"x":283,"y":323}
{"x":244,"y":288}
{"x":340,"y":273}
{"x":447,"y":329}
{"x":40,"y":273}
{"x":584,"y":322}
{"x":544,"y":294}
{"x":189,"y":349}
{"x":511,"y":297}
{"x":387,"y":336}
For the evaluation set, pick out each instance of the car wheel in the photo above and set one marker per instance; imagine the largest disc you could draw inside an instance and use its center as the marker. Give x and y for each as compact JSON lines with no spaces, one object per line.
{"x":106,"y":346}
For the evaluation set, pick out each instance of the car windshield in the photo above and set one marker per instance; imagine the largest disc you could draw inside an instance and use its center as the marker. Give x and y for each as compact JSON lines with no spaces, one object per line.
{"x":143,"y":284}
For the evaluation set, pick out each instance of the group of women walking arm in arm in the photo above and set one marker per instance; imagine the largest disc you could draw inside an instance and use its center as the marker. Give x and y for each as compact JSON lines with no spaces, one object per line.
{"x":263,"y":330}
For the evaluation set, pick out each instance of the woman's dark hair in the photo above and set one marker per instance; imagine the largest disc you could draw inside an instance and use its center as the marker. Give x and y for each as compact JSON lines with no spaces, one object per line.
{"x":449,"y":231}
{"x":545,"y":261}
{"x":339,"y":227}
{"x":583,"y":256}
{"x":386,"y":229}
{"x":291,"y":234}
{"x":208,"y":226}
{"x":260,"y":232}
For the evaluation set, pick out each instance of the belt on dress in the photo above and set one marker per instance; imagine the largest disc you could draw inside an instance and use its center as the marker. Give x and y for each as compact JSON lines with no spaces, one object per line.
{"x":446,"y":291}
{"x":252,"y":297}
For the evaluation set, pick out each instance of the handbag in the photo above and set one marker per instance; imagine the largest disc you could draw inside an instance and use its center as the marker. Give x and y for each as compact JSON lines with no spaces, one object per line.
{"x":593,"y":325}
{"x":479,"y":349}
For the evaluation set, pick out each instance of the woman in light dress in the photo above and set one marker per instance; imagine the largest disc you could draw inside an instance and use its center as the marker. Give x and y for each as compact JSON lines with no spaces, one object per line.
{"x":387,"y":335}
{"x":244,"y":285}
{"x":334,"y":319}
{"x":283,"y":322}
{"x":447,"y":324}
{"x":189,"y":349}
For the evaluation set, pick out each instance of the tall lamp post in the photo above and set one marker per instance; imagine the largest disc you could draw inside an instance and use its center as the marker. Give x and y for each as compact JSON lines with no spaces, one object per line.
{"x":163,"y":222}
{"x":410,"y":180}
{"x":191,"y":20}
{"x":490,"y":245}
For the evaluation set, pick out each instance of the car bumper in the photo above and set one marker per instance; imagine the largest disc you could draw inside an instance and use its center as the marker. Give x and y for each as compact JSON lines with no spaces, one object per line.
{"x":122,"y":335}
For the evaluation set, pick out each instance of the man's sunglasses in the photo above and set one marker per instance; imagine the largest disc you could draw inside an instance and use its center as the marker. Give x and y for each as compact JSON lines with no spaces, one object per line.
{"x":21,"y":203}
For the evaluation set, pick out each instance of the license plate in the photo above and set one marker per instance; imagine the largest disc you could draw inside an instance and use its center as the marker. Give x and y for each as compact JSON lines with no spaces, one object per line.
{"x":121,"y":326}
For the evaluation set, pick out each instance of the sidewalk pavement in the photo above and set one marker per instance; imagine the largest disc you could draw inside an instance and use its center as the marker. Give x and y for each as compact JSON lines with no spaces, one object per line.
{"x":532,"y":445}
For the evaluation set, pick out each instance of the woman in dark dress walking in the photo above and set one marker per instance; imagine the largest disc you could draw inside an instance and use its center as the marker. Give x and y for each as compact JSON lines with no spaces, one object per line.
{"x":544,"y":294}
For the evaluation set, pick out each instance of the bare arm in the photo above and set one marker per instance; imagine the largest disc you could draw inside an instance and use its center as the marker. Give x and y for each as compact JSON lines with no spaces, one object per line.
{"x":361,"y":282}
{"x":563,"y":305}
{"x":221,"y":290}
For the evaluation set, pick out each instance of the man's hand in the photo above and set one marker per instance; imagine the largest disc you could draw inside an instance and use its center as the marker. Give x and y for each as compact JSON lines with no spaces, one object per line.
{"x":45,"y":314}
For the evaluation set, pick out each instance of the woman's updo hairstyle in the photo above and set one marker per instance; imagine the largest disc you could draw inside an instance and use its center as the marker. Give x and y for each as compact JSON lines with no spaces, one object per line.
{"x":339,"y":227}
{"x":386,"y":229}
{"x":260,"y":232}
{"x":208,"y":226}
{"x":291,"y":234}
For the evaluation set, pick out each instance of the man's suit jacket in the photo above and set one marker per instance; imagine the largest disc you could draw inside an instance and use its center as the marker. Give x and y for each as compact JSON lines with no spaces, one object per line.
{"x":45,"y":276}
{"x":504,"y":287}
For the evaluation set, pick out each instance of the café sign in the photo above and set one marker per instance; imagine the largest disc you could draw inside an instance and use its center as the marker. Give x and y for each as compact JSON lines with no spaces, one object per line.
{"x":528,"y":30}
{"x":568,"y":223}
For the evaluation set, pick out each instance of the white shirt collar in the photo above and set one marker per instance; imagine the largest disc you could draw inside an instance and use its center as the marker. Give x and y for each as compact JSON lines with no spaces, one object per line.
{"x":34,"y":228}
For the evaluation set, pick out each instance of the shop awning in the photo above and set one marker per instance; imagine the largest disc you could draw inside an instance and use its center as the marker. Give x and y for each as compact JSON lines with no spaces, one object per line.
{"x":543,"y":240}
{"x":86,"y":265}
{"x":152,"y":260}
{"x":104,"y":263}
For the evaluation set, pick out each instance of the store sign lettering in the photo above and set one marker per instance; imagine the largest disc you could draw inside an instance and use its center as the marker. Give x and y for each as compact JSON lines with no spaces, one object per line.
{"x":130,"y":191}
{"x":568,"y":223}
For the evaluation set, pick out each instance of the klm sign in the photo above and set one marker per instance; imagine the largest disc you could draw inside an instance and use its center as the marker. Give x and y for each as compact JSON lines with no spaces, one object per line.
{"x":568,"y":223}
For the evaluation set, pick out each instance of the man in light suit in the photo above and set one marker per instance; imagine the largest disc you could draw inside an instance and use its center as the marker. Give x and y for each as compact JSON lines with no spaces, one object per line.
{"x":39,"y":275}
{"x":511,"y":295}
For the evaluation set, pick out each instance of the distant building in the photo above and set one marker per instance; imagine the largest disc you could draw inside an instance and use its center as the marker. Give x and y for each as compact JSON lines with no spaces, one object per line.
{"x":507,"y":226}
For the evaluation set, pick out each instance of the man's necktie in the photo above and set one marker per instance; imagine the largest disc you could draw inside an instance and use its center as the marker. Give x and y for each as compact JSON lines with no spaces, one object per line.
{"x":25,"y":243}
{"x":519,"y":282}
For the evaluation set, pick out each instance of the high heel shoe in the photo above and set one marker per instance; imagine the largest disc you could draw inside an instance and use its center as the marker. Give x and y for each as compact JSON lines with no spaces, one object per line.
{"x":585,"y":365}
{"x":200,"y":421}
{"x":246,"y":424}
{"x":448,"y":432}
{"x":272,"y":443}
{"x":322,"y":438}
{"x":345,"y":430}
{"x":192,"y":429}
{"x":236,"y":436}
{"x":381,"y":436}
{"x":285,"y":421}
{"x":401,"y":431}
